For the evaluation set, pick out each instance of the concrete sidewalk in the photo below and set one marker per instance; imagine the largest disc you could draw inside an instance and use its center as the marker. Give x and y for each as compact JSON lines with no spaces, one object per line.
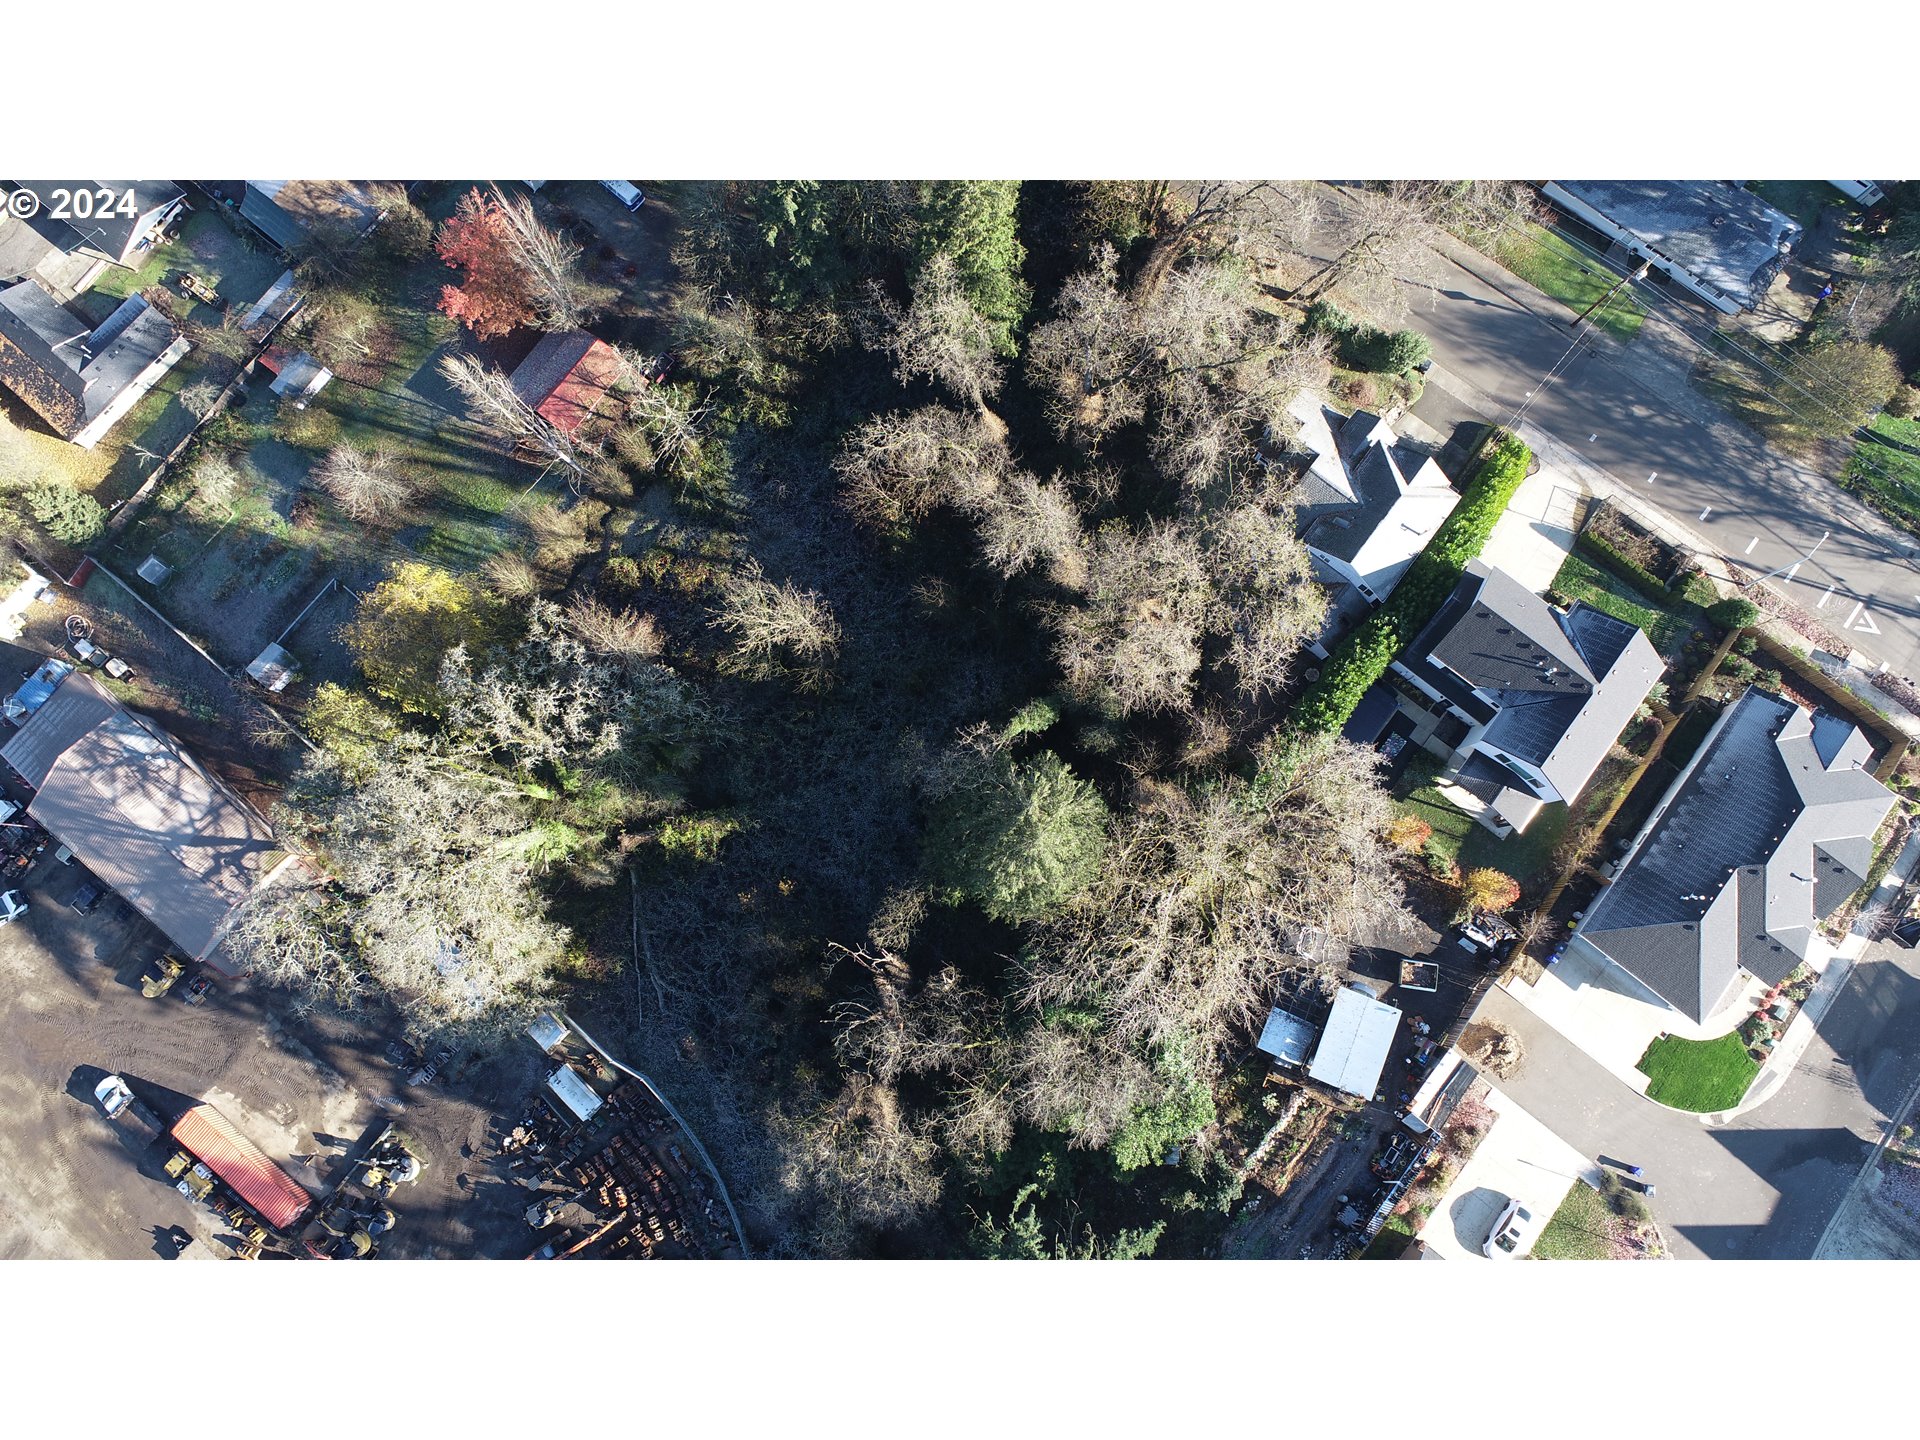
{"x":1833,"y":979}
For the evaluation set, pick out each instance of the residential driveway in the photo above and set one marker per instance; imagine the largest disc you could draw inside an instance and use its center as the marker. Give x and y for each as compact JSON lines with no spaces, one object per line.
{"x":1532,"y":538}
{"x":1610,"y":1016}
{"x":1520,"y":1159}
{"x":1765,"y":1184}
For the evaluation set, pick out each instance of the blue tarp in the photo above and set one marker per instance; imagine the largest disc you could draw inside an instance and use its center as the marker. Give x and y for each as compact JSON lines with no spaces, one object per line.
{"x":39,"y":685}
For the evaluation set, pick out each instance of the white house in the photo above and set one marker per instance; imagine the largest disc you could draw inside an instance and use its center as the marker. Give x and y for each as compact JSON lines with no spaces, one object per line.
{"x":1369,"y":504}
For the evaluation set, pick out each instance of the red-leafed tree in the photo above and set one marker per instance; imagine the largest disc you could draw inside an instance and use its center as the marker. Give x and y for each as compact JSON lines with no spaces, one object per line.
{"x":494,"y":297}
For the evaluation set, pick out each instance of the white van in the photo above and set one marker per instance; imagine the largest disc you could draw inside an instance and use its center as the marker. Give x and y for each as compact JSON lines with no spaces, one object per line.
{"x":626,"y":192}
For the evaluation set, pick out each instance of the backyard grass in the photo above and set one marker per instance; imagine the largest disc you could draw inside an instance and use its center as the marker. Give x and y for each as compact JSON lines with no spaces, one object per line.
{"x":1802,"y":199}
{"x":1526,"y":857}
{"x":1698,"y":1075}
{"x":1884,"y":469}
{"x":1666,"y":624}
{"x":1557,"y":267}
{"x":1579,"y":1230}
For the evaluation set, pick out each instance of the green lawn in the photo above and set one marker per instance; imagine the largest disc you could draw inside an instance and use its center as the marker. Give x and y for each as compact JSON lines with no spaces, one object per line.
{"x":1666,"y":626}
{"x":1802,"y":199}
{"x":1886,"y":474}
{"x":1526,"y":857}
{"x":1561,"y":269}
{"x":1580,"y":1228}
{"x":1698,"y":1075}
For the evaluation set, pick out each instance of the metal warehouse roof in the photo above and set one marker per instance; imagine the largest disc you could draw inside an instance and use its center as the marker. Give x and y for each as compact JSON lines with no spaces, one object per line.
{"x":574,"y":1093}
{"x":1354,"y":1046}
{"x":267,"y":1189}
{"x":140,"y":814}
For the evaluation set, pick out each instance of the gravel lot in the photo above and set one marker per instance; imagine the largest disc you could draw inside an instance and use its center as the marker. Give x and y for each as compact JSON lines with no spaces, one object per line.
{"x":72,"y":1011}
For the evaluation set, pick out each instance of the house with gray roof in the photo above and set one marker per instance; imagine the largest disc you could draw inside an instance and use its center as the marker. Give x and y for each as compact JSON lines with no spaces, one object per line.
{"x":1714,"y":238}
{"x":1768,"y":831}
{"x":77,"y":377}
{"x":1523,"y":701}
{"x":141,"y":813}
{"x":124,"y":219}
{"x":1369,"y":503}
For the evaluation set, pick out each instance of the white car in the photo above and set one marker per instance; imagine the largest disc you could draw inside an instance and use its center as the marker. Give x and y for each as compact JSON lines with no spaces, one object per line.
{"x":113,"y":1095}
{"x":12,"y":906}
{"x":1512,"y":1233}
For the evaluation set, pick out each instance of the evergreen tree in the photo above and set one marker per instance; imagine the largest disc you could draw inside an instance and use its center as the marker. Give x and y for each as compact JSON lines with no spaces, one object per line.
{"x":974,"y":221}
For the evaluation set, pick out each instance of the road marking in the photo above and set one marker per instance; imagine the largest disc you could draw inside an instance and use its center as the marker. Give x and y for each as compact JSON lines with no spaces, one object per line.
{"x":1592,"y":438}
{"x":1706,"y":512}
{"x":1792,"y":570}
{"x":1750,"y":544}
{"x":1853,"y":614}
{"x":1864,"y":625}
{"x":1653,"y":476}
{"x":1821,"y":603}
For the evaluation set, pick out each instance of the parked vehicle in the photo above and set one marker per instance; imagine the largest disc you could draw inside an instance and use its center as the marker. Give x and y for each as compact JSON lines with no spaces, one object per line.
{"x":626,"y":192}
{"x":137,"y":1126}
{"x":196,"y":991}
{"x":86,"y":899}
{"x":159,"y":976}
{"x":1512,"y":1233}
{"x":12,"y":906}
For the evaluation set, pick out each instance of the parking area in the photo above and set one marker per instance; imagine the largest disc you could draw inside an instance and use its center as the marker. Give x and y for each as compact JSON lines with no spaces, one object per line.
{"x":1535,"y":535}
{"x":302,"y":1087}
{"x":1520,"y":1159}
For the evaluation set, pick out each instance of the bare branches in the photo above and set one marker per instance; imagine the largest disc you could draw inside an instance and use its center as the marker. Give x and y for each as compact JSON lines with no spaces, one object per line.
{"x":895,"y":470}
{"x":563,"y":297}
{"x":776,"y":629}
{"x":939,"y":336}
{"x":1136,"y":639}
{"x":496,"y":406}
{"x":1024,"y":523}
{"x":371,"y":486}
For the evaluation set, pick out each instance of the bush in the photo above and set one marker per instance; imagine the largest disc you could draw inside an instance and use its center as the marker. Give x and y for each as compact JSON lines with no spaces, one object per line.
{"x":1733,"y":613}
{"x":1409,"y":833}
{"x":1484,"y":889}
{"x":1614,"y":559}
{"x":1385,"y":352}
{"x":1904,"y":403}
{"x":1696,"y":589}
{"x":1746,"y":644}
{"x":67,"y":515}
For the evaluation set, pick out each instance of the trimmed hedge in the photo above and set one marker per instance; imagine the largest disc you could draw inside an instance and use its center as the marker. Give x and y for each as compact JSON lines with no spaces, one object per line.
{"x":1360,"y":346}
{"x":1363,"y":656}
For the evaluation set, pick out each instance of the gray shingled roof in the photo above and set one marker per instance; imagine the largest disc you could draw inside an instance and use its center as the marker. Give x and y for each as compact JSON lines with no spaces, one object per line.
{"x":1716,"y":230}
{"x":140,"y":813}
{"x":1757,"y":841}
{"x":111,"y":233}
{"x":66,"y":373}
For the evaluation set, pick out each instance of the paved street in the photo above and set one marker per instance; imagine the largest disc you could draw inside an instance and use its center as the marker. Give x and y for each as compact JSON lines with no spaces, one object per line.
{"x":1765,"y":1185}
{"x":1494,"y":337}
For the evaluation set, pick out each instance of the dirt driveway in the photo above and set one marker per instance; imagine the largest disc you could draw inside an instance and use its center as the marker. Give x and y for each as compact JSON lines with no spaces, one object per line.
{"x":71,"y":1011}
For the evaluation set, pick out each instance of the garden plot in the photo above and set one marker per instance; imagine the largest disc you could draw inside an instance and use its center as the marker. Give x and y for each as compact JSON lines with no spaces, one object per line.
{"x":243,"y":550}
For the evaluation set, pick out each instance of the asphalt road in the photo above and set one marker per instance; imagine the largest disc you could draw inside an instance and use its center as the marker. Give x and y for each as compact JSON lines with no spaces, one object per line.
{"x":1765,"y":1185}
{"x":1761,"y":509}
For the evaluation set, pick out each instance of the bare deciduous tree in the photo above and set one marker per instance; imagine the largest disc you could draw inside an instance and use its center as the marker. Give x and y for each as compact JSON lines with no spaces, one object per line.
{"x":1219,"y":217}
{"x":1264,"y":579}
{"x":1136,"y":639}
{"x":1024,"y":523}
{"x":371,"y":486}
{"x":562,"y":294}
{"x":939,"y":336}
{"x":1199,"y":912}
{"x":427,"y":899}
{"x":495,"y":406}
{"x":897,"y":469}
{"x":775,"y":629}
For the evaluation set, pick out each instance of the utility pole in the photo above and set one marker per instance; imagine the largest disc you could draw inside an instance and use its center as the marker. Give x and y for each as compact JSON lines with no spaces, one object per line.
{"x":1623,"y":282}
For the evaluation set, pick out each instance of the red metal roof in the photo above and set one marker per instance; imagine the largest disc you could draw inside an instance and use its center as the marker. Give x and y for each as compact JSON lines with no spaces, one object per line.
{"x":263,"y":1185}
